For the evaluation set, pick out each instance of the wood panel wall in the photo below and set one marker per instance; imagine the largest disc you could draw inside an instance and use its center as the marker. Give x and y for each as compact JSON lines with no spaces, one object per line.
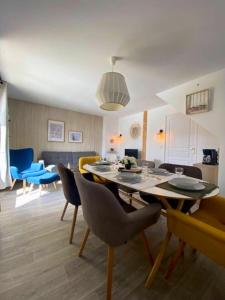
{"x":29,"y":121}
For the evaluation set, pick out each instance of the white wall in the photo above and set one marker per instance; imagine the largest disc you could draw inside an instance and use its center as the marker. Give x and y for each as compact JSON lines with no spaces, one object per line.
{"x":113,"y":126}
{"x":124,"y":128}
{"x":157,"y":121}
{"x":214,"y":120}
{"x":110,"y":129}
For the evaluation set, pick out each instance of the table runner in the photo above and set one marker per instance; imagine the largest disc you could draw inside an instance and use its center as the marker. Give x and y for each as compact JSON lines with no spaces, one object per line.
{"x":209,"y":187}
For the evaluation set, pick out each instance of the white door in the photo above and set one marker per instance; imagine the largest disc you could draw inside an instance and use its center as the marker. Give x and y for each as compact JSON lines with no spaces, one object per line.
{"x":185,"y":140}
{"x":180,"y":140}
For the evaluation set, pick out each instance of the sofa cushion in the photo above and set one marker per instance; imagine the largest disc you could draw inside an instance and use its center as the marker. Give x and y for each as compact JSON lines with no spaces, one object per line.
{"x":56,"y":157}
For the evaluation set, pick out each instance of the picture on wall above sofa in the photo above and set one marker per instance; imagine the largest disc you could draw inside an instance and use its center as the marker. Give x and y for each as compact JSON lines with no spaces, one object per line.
{"x":56,"y":131}
{"x":75,"y":137}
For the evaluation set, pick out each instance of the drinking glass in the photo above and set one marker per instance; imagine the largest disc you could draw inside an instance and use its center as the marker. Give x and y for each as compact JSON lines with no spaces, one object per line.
{"x":145,"y":169}
{"x":179,"y":171}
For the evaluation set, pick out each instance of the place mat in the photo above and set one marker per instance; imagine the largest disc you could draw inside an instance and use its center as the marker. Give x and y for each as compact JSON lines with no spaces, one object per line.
{"x":209,"y":187}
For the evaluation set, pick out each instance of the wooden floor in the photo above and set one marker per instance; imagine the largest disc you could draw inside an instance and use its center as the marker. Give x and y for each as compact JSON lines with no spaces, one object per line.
{"x":37,"y":262}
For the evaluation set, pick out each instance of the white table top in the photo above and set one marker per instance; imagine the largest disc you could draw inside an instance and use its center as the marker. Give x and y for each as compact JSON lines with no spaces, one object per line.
{"x":148,"y":185}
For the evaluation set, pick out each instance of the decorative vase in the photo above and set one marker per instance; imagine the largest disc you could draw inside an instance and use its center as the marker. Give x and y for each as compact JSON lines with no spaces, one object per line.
{"x":128,"y":166}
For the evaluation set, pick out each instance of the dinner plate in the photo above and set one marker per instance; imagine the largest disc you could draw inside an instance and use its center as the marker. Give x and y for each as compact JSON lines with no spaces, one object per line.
{"x":188,"y":184}
{"x":102,"y":168}
{"x":129,"y":177}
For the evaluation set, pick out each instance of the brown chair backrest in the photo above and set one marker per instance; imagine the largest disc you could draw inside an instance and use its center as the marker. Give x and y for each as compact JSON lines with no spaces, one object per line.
{"x":69,"y":185}
{"x":188,"y":170}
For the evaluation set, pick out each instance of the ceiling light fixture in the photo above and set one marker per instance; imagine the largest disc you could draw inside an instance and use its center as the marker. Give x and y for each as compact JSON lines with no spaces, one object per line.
{"x":112,"y":91}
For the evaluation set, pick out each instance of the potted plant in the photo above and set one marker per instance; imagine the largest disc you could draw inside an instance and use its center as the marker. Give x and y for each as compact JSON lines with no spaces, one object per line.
{"x":129,"y":162}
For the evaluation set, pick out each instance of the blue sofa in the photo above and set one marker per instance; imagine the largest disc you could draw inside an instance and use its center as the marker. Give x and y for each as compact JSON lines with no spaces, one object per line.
{"x":22,"y":166}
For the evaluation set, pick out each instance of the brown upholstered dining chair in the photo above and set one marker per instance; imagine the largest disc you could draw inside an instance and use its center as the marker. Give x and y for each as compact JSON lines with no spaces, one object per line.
{"x":107,"y":219}
{"x":188,"y":171}
{"x":71,"y":194}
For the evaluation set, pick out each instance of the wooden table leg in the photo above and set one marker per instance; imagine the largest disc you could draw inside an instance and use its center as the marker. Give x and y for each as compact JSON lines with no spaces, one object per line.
{"x":180,"y":205}
{"x":164,"y":201}
{"x":174,"y":259}
{"x":158,"y":260}
{"x":147,"y":249}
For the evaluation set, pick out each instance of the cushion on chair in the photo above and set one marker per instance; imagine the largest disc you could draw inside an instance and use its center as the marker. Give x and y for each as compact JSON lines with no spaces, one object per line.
{"x":44,"y":178}
{"x":25,"y":174}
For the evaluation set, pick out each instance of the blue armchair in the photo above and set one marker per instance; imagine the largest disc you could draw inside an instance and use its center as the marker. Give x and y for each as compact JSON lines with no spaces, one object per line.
{"x":22,"y":166}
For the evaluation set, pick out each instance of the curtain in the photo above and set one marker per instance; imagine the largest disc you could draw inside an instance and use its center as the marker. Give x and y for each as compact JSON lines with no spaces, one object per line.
{"x":5,"y":178}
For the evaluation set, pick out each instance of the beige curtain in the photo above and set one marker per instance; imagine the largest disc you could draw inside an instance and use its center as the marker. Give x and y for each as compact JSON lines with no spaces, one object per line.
{"x":5,"y":178}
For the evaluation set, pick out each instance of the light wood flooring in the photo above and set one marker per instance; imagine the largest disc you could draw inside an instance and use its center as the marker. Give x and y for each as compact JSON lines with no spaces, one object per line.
{"x":37,"y":262}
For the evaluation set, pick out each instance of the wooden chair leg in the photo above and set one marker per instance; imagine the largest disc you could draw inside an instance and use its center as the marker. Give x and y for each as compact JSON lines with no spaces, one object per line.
{"x":84,"y":242}
{"x":55,"y":186}
{"x":174,"y":259}
{"x":24,"y":186}
{"x":13,"y":183}
{"x":147,"y":249}
{"x":158,"y":261}
{"x":31,"y":187}
{"x":109,"y":272}
{"x":40,"y":189}
{"x":64,"y":210}
{"x":73,"y":223}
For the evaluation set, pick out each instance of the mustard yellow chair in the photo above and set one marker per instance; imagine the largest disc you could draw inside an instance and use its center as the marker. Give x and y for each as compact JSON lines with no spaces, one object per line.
{"x":204,"y":230}
{"x":89,"y":160}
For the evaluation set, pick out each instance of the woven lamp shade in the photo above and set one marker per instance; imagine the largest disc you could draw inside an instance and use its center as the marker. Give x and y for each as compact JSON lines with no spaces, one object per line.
{"x":112,"y":91}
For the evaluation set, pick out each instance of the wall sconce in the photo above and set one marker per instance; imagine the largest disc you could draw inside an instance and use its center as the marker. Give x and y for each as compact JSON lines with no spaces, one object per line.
{"x":116,"y":139}
{"x":160,"y":136}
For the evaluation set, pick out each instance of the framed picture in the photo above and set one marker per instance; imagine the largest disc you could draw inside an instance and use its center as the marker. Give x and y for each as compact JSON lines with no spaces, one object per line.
{"x":75,"y":137}
{"x":198,"y":102}
{"x":56,"y":131}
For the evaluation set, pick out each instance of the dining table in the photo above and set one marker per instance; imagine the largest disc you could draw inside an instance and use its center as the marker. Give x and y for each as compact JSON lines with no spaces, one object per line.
{"x":149,"y":185}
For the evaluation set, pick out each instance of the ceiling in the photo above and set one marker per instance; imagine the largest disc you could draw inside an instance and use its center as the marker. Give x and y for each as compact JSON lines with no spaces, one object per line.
{"x":54,"y":52}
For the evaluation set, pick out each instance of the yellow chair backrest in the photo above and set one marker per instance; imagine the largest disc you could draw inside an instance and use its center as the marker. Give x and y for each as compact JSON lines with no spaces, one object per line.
{"x":87,"y":160}
{"x":201,"y":236}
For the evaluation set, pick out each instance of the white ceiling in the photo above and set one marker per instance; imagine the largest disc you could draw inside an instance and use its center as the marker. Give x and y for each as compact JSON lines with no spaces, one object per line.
{"x":54,"y":52}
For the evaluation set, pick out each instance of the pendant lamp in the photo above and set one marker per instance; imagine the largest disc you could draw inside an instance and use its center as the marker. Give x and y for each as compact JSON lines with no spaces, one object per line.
{"x":112,"y":91}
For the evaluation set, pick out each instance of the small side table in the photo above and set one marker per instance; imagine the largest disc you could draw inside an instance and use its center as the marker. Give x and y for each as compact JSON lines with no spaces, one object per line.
{"x":209,"y":172}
